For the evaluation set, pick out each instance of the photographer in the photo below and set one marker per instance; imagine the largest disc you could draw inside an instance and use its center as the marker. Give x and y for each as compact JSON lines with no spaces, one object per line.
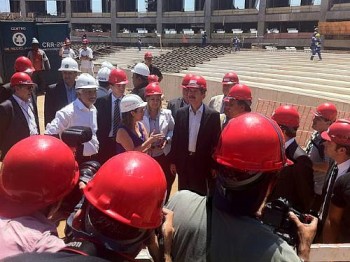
{"x":121,"y":213}
{"x":31,"y":190}
{"x":228,"y":226}
{"x":81,"y":112}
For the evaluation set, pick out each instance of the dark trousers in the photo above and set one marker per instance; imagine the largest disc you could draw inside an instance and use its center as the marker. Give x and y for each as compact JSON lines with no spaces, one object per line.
{"x":164,"y":162}
{"x":108,"y":149}
{"x":192,"y":176}
{"x":38,"y":78}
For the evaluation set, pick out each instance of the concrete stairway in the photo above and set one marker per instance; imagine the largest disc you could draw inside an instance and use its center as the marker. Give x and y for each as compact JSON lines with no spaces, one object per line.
{"x":284,"y":71}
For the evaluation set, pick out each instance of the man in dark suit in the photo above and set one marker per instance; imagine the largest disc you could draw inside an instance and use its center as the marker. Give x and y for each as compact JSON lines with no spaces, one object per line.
{"x":175,"y":104}
{"x":106,"y":121}
{"x":18,"y":114}
{"x":63,"y":93}
{"x":295,"y":182}
{"x":196,"y":133}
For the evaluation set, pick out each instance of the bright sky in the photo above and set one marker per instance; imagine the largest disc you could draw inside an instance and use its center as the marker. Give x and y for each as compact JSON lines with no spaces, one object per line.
{"x":97,"y":6}
{"x":4,"y":5}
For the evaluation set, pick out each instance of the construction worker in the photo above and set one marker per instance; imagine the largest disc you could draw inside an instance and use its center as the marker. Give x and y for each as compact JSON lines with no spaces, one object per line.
{"x":63,"y":93}
{"x":140,"y":75}
{"x":196,"y":133}
{"x":66,"y":50}
{"x":238,"y":101}
{"x":81,"y":112}
{"x":22,"y":64}
{"x":295,"y":182}
{"x":316,"y":46}
{"x":334,"y":212}
{"x":152,"y":68}
{"x":41,"y":64}
{"x":227,"y":227}
{"x":86,"y":56}
{"x":176,"y":103}
{"x":36,"y":174}
{"x":18,"y":114}
{"x":324,"y":116}
{"x":228,"y":81}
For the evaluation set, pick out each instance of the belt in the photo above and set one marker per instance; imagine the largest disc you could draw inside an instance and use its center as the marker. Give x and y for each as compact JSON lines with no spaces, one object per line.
{"x":191,"y":153}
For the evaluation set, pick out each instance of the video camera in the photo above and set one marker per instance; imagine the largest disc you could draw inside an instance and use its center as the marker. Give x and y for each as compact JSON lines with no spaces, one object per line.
{"x":275,"y":214}
{"x":75,"y":137}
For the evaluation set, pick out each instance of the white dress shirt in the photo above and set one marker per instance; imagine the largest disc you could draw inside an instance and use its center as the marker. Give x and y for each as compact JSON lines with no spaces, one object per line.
{"x":194,"y":123}
{"x":27,"y":109}
{"x":343,"y":168}
{"x":76,"y":114}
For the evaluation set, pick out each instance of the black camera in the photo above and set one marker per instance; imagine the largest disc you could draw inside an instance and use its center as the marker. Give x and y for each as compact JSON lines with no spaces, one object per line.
{"x":74,"y":137}
{"x":275,"y":214}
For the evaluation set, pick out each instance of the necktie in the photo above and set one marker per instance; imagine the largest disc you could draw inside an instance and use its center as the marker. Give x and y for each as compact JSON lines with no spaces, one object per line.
{"x":329,"y":192}
{"x":116,"y":116}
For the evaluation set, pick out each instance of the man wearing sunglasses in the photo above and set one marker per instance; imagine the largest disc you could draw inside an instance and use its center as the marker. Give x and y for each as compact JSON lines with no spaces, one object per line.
{"x":18,"y":114}
{"x":227,"y":227}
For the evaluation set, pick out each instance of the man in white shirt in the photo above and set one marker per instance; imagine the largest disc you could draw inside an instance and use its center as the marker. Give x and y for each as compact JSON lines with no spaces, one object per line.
{"x":66,"y":50}
{"x":85,"y":57}
{"x":196,"y":133}
{"x":81,"y":112}
{"x":18,"y":114}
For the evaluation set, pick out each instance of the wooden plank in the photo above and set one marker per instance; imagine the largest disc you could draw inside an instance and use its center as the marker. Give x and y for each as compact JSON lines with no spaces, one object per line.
{"x":330,"y":252}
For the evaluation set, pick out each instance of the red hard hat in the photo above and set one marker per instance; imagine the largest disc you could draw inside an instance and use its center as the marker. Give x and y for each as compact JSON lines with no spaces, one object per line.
{"x":148,"y":55}
{"x":186,"y":80}
{"x":286,"y":115}
{"x":197,"y":82}
{"x":20,"y":78}
{"x":36,"y":172}
{"x":152,"y":78}
{"x":239,"y":92}
{"x":118,"y":76}
{"x":338,"y":132}
{"x":23,"y":64}
{"x":230,"y":78}
{"x":251,"y":142}
{"x":327,"y":111}
{"x":85,"y":41}
{"x":153,"y":89}
{"x":130,"y":188}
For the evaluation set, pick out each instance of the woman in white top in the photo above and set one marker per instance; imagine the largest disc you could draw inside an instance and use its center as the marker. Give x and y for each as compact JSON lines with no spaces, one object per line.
{"x":159,"y":121}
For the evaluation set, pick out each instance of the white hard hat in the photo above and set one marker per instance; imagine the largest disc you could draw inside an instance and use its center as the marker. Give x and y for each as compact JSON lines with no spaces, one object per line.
{"x":103,"y":74}
{"x":69,"y":64}
{"x":108,"y":65}
{"x":131,"y":102}
{"x":84,"y":81}
{"x":141,"y":69}
{"x":35,"y":41}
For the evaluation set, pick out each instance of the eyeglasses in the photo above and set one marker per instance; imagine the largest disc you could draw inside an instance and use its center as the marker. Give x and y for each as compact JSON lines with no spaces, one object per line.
{"x":140,"y":109}
{"x":155,"y":99}
{"x":28,"y":87}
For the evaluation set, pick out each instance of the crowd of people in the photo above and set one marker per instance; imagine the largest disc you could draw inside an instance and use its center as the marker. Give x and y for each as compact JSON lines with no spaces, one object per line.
{"x":230,"y":163}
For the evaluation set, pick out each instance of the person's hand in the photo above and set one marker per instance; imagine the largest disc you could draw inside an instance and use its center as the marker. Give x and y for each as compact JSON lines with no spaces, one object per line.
{"x":155,"y":137}
{"x":168,"y":233}
{"x":173,"y":169}
{"x":306,"y":233}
